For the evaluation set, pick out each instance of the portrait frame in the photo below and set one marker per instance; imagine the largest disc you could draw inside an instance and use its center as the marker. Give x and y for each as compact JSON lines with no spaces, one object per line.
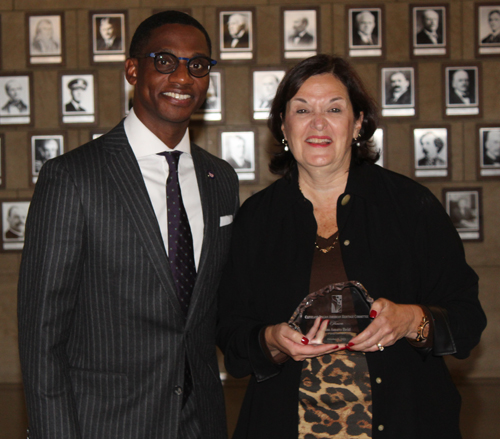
{"x":260,"y":108}
{"x":483,"y":30}
{"x":94,"y":134}
{"x":35,"y":139}
{"x":116,"y":53}
{"x":25,"y":81}
{"x":248,"y":172}
{"x":247,"y":51}
{"x":469,"y":221}
{"x":305,"y":44}
{"x":408,"y":102}
{"x":488,"y":168}
{"x":188,"y":11}
{"x":355,"y":46}
{"x":452,"y":107}
{"x":212,"y":110}
{"x":2,"y":161}
{"x":436,"y":165}
{"x":127,"y":96}
{"x":10,"y":242}
{"x":420,"y":42}
{"x":51,"y":52}
{"x":89,"y":116}
{"x":379,"y":141}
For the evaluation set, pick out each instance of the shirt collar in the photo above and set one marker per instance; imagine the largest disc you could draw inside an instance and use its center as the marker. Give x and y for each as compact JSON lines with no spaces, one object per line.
{"x":144,"y":142}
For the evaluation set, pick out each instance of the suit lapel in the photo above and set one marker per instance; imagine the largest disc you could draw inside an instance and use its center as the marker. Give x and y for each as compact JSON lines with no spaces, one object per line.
{"x":125,"y":173}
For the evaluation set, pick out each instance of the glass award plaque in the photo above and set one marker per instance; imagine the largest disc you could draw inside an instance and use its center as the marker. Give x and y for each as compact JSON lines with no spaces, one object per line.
{"x":346,"y":305}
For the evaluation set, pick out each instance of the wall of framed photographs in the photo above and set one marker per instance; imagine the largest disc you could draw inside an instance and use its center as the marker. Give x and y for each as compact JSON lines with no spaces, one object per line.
{"x":433,"y":67}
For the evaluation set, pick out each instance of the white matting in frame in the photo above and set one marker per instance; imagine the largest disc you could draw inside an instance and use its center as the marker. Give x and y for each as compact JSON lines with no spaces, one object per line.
{"x":265,"y":84}
{"x":2,"y":161}
{"x":398,"y":91}
{"x":464,"y":208}
{"x":211,"y":110}
{"x":365,"y":32}
{"x":14,"y":213}
{"x":300,"y":33}
{"x":78,"y":94}
{"x":43,"y":148}
{"x":430,"y":146}
{"x":489,"y":151}
{"x":488,"y":29}
{"x":236,"y":35}
{"x":15,"y":99}
{"x":378,"y":141}
{"x":45,"y":39}
{"x":108,"y":37}
{"x":238,"y":149}
{"x":429,"y":30}
{"x":462,"y":90}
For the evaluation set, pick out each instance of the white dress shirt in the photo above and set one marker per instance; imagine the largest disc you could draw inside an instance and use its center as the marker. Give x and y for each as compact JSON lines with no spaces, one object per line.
{"x":155,"y":170}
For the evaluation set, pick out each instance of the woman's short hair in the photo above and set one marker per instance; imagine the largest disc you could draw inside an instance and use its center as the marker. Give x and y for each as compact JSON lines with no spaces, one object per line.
{"x":282,"y":162}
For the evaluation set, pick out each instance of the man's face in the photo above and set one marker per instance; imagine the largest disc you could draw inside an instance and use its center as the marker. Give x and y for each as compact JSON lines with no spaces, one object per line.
{"x":16,"y":220}
{"x":107,"y":30}
{"x":493,"y":144}
{"x":431,"y":20}
{"x":461,"y":81}
{"x":299,"y":25}
{"x":235,"y":24}
{"x":171,"y":98}
{"x":429,"y":146}
{"x":269,"y":86}
{"x":494,"y":21}
{"x":77,"y":94}
{"x":366,"y":23}
{"x":399,"y":83}
{"x":45,"y":30}
{"x":13,"y":89}
{"x":50,"y":149}
{"x":236,"y":147}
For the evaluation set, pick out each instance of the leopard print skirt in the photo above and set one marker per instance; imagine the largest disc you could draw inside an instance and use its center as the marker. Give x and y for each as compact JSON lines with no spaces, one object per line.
{"x":335,"y":397}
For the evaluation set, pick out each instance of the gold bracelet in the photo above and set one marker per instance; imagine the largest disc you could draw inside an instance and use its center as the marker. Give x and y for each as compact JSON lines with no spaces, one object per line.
{"x":421,"y":329}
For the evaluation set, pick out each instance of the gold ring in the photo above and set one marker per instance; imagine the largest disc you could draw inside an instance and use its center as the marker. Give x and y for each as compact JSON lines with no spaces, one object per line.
{"x":380,"y":347}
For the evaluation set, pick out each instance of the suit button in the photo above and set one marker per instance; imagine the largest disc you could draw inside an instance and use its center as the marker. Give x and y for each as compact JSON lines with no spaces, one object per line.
{"x":345,"y":200}
{"x":378,"y":380}
{"x":380,"y":427}
{"x":347,"y":242}
{"x":178,"y":390}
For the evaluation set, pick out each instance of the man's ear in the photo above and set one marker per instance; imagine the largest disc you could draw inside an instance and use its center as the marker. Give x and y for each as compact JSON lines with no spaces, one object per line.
{"x":131,"y":67}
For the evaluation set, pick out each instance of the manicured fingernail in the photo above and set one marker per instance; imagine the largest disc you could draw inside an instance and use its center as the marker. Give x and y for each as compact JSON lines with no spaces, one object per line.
{"x":350,"y":344}
{"x":335,"y":347}
{"x":304,"y":340}
{"x":373,"y":314}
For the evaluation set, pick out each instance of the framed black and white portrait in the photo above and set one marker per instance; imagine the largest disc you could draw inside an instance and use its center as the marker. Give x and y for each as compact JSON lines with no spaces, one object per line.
{"x":462,"y":90}
{"x":108,"y":38}
{"x":365,"y":32}
{"x":398,"y":91}
{"x":45,"y":38}
{"x":44,"y":147}
{"x":488,"y":29}
{"x":378,"y":140}
{"x":238,"y":149}
{"x":428,"y":30}
{"x":264,"y":86}
{"x":212,"y":108}
{"x":489,"y":151}
{"x":236,"y":34}
{"x":2,"y":161}
{"x":78,"y":98}
{"x":13,"y":217}
{"x":127,"y":96}
{"x":464,"y":205}
{"x":16,"y":97}
{"x":300,"y":30}
{"x":431,"y":152}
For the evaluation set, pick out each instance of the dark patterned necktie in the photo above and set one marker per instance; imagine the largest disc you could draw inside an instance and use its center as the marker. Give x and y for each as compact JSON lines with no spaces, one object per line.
{"x":180,"y":240}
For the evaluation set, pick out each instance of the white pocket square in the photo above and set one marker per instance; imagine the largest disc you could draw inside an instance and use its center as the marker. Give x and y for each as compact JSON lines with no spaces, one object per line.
{"x":226,"y":220}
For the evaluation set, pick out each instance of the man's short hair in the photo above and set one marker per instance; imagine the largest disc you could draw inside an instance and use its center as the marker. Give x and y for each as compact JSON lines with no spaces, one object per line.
{"x":495,"y":11}
{"x":438,"y":142}
{"x":143,"y":32}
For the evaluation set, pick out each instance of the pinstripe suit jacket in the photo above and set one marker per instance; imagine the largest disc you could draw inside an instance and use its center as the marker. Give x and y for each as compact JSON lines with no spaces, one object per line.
{"x":102,"y":337}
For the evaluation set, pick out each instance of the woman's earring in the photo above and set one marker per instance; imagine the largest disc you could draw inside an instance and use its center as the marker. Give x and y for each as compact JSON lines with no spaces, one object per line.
{"x":285,"y":145}
{"x":358,"y":143}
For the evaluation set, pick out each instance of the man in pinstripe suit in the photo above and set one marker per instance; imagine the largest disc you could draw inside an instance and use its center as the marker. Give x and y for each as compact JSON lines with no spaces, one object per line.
{"x":104,"y":343}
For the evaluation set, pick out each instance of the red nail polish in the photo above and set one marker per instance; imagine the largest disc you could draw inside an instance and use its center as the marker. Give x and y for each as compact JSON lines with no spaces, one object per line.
{"x":304,"y":340}
{"x":373,"y":314}
{"x":350,"y":344}
{"x":335,"y":347}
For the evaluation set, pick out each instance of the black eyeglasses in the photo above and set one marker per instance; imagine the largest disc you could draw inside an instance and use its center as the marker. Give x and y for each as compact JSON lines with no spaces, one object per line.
{"x":198,"y":66}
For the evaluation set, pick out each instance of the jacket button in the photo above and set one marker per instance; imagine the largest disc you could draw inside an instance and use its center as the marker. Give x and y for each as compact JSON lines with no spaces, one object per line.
{"x":345,"y":200}
{"x":380,"y":427}
{"x":347,"y":242}
{"x":378,"y":380}
{"x":178,"y":390}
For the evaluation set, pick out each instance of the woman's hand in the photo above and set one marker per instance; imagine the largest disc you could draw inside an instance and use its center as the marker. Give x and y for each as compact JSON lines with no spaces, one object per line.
{"x":282,"y":338}
{"x":391,"y":323}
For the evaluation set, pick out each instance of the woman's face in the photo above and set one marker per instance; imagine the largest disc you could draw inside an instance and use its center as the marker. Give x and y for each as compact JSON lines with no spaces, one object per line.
{"x":319,"y":124}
